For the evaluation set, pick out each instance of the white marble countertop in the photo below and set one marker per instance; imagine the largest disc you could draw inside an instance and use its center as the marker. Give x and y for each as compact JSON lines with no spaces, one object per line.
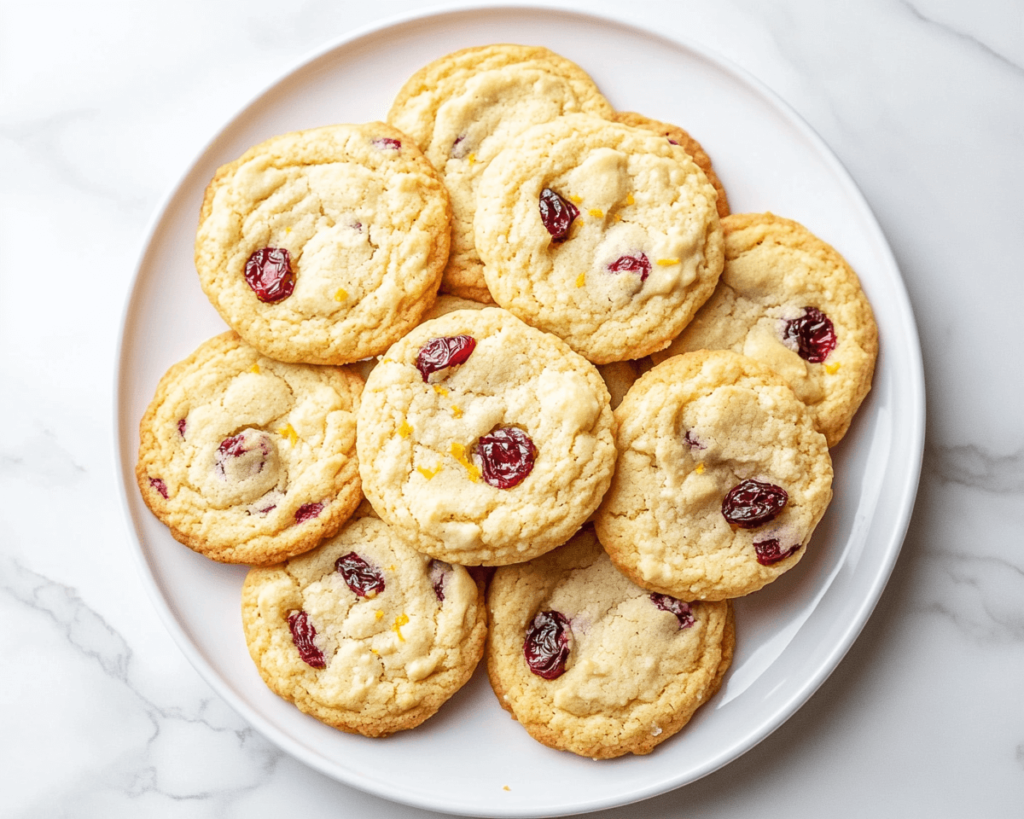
{"x":103,"y":105}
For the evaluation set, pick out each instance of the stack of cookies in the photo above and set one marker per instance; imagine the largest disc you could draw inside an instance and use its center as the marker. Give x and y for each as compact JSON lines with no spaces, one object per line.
{"x":614,"y":420}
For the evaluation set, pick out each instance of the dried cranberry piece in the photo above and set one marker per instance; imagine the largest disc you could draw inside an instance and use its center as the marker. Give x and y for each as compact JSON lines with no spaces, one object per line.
{"x":459,"y":149}
{"x":632,"y":264}
{"x":671,"y":141}
{"x":159,"y":486}
{"x":269,"y":274}
{"x":439,"y":572}
{"x":387,"y":143}
{"x":691,"y":440}
{"x":680,"y":609}
{"x":557,"y":214}
{"x":302,"y":635}
{"x":365,"y":580}
{"x":753,"y":503}
{"x":308,"y":511}
{"x":181,"y":427}
{"x":232,"y":447}
{"x":507,"y":456}
{"x":814,"y":334}
{"x":547,"y":644}
{"x":442,"y":352}
{"x":771,"y":551}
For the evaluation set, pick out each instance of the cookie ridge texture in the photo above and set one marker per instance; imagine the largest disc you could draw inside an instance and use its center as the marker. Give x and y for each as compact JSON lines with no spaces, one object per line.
{"x":247,"y":459}
{"x":775,"y":270}
{"x":462,"y":108}
{"x":351,"y":225}
{"x":521,"y":401}
{"x":363,"y":633}
{"x":634,"y":673}
{"x":606,"y":235}
{"x":721,"y":478}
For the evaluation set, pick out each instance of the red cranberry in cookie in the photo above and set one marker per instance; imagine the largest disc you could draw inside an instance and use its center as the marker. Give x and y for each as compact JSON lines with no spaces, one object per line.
{"x":441,"y":353}
{"x":753,"y":503}
{"x":507,"y":456}
{"x":269,"y":274}
{"x":813,"y":335}
{"x":547,"y":644}
{"x":557,"y":214}
{"x":362,"y":578}
{"x":303,"y":634}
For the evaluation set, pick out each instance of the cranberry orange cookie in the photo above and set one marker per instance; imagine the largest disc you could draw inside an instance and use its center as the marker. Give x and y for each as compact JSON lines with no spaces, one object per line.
{"x":483,"y":441}
{"x":677,"y":136}
{"x":249,"y":460}
{"x":363,"y":633}
{"x":721,"y":478}
{"x":789,"y":300}
{"x":591,"y":663}
{"x":324,"y":246}
{"x":463,"y":108}
{"x":605,"y":235}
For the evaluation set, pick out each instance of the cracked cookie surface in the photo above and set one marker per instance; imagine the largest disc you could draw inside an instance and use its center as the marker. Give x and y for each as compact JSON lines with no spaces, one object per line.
{"x":679,"y":136}
{"x":495,"y":458}
{"x":364,"y":633}
{"x":777,"y":274}
{"x":247,"y":459}
{"x":324,"y":246}
{"x":636,"y":667}
{"x":706,"y":442}
{"x":603,"y":234}
{"x":463,"y":108}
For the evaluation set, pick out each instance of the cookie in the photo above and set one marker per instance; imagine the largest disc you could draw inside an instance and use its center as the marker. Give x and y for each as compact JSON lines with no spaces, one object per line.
{"x":363,"y":633}
{"x":324,"y":246}
{"x":591,"y":663}
{"x":603,"y":234}
{"x":721,"y":478}
{"x":789,"y":300}
{"x":483,"y":441}
{"x":677,"y":136}
{"x":463,"y":108}
{"x":247,"y":459}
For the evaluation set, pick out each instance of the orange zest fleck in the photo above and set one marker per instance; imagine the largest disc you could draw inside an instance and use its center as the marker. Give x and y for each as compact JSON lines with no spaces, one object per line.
{"x":404,"y":430}
{"x":832,"y":369}
{"x":630,"y":200}
{"x":472,"y":159}
{"x":428,"y":473}
{"x":340,"y":295}
{"x":288,"y":431}
{"x":378,"y":615}
{"x":440,"y":390}
{"x":597,"y":213}
{"x":700,"y":469}
{"x":400,"y":620}
{"x":576,"y":200}
{"x":581,"y":279}
{"x":456,"y":411}
{"x":667,"y":262}
{"x":255,"y":368}
{"x":459,"y":453}
{"x":617,"y":218}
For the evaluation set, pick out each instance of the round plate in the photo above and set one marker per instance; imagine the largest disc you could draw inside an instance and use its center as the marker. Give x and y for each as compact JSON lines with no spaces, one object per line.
{"x":791,"y":635}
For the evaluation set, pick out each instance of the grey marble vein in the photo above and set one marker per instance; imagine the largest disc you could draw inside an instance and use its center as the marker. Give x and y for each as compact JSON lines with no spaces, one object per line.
{"x":982,"y":595}
{"x":148,"y":770}
{"x":977,"y":468}
{"x":963,"y":36}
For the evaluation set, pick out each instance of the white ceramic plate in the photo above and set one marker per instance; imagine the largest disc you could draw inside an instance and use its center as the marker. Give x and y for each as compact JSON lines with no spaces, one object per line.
{"x":790,"y":635}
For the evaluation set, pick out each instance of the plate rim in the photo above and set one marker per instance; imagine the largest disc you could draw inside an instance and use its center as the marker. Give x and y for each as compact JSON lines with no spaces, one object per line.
{"x":124,"y":456}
